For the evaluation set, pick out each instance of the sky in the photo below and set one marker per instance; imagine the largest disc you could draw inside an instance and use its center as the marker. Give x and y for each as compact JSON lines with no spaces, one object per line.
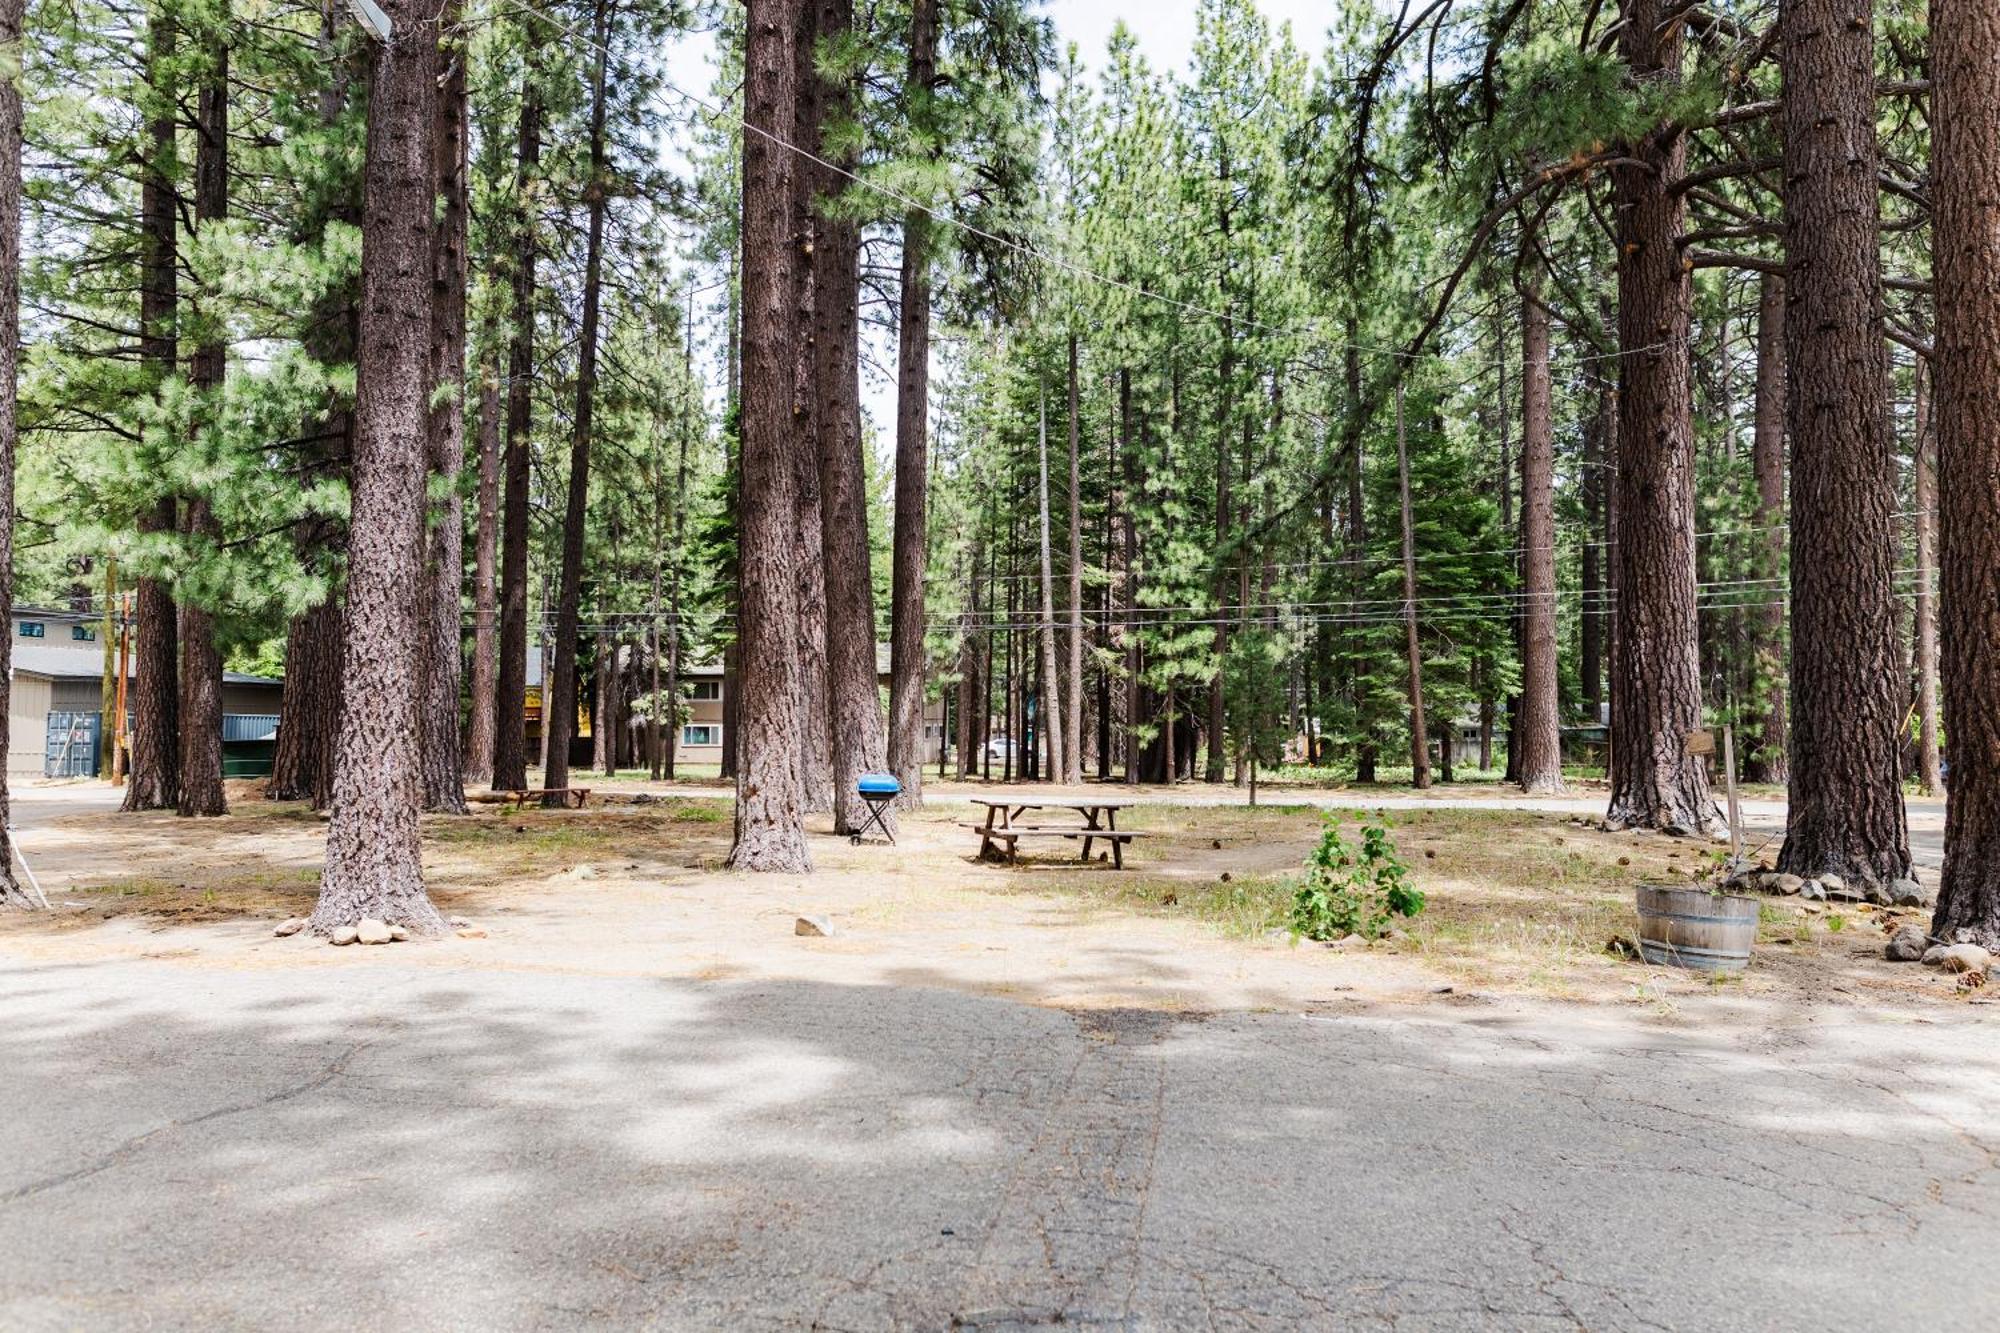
{"x":1165,"y":28}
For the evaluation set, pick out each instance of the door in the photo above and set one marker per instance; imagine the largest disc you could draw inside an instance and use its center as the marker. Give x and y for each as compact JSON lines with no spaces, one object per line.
{"x":71,"y":748}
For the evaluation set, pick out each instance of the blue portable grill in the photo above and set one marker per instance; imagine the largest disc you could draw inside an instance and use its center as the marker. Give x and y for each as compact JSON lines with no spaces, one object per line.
{"x":877,"y":789}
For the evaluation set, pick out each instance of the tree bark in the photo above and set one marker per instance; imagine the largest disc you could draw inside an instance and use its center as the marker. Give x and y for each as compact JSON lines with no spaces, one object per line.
{"x":1846,"y":810}
{"x":1590,"y":622}
{"x":1049,"y":715}
{"x":155,"y":783}
{"x":1357,"y":550}
{"x":860,"y":734}
{"x":815,"y":736}
{"x":373,"y":852}
{"x":1656,"y":664}
{"x":1929,"y":770}
{"x":444,"y":572}
{"x":201,"y":793}
{"x":1541,"y":720}
{"x":303,"y":767}
{"x":560,"y":693}
{"x":11,"y":21}
{"x":769,"y":802}
{"x":1765,"y":760}
{"x":485,"y":600}
{"x":1965,"y":120}
{"x":1073,"y":688}
{"x":510,"y":703}
{"x":906,"y":586}
{"x":1420,"y":750}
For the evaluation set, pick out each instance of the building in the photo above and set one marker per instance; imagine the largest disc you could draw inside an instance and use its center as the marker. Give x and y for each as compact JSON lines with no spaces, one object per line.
{"x":55,"y":712}
{"x":701,"y":734}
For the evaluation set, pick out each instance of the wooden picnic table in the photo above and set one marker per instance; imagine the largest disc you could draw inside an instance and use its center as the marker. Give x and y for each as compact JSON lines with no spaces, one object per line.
{"x":1001,"y":832}
{"x":573,"y":797}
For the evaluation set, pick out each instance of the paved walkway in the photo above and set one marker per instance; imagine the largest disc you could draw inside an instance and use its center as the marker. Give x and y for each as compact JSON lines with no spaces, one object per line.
{"x":196,"y":1145}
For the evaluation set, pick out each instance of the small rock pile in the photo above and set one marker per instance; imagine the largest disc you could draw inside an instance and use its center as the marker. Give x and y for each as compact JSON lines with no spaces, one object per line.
{"x":1911,"y":945}
{"x":372,"y":931}
{"x":1832,"y":888}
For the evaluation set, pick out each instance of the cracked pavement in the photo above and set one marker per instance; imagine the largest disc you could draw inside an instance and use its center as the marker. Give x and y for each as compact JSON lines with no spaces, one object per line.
{"x":208,"y":1146}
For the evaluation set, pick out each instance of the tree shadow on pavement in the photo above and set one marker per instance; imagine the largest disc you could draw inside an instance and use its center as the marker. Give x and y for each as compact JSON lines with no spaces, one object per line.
{"x":399,"y":1146}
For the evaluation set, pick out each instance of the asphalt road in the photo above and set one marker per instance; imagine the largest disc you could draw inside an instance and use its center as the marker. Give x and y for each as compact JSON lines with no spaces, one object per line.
{"x":200,"y":1144}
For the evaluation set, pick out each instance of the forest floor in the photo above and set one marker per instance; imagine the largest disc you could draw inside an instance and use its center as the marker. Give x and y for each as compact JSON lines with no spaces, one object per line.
{"x":1523,"y":902}
{"x":998,"y":1097}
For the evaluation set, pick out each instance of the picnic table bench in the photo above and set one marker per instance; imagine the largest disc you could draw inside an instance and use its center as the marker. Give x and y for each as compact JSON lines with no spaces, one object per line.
{"x":572,"y":797}
{"x":1000,"y":834}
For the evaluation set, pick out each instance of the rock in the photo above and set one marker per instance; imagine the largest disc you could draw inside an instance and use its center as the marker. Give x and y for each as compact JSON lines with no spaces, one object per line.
{"x":1907,"y":945}
{"x":1347,"y":943}
{"x":470,"y":932}
{"x":813,"y":926}
{"x":1813,"y":889}
{"x":345,"y":934}
{"x":290,"y":926}
{"x":1962,"y":958}
{"x":1782,"y":883}
{"x":399,"y":933}
{"x":372,"y":931}
{"x":1909,"y":893}
{"x":1878,"y":893}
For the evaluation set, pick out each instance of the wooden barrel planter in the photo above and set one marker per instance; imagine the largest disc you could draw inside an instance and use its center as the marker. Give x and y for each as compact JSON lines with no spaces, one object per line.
{"x":1685,"y":926}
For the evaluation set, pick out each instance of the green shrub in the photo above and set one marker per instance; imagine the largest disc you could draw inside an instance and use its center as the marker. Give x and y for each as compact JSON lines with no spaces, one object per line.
{"x":1345,"y":892}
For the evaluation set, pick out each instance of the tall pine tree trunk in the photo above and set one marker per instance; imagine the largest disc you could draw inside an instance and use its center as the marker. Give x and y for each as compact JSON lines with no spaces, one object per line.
{"x":373,"y":852}
{"x":1049,"y":712}
{"x":815,"y":736}
{"x":156,"y":756}
{"x":201,"y":791}
{"x":510,"y":736}
{"x":913,"y":352}
{"x":444,"y":571}
{"x":1541,"y":722}
{"x":1356,"y":555}
{"x":1590,"y":577}
{"x":1420,"y":749}
{"x":769,"y":802}
{"x":1965,"y":119}
{"x":485,"y":598}
{"x":1656,"y":665}
{"x":302,"y":769}
{"x":1073,"y":684}
{"x":1846,"y":812}
{"x":11,"y":15}
{"x":1929,"y":772}
{"x":860,"y":735}
{"x":560,"y":692}
{"x":1770,"y":739}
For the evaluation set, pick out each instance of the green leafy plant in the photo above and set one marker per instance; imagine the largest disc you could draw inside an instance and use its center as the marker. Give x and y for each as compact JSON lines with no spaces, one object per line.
{"x":1353,"y":892}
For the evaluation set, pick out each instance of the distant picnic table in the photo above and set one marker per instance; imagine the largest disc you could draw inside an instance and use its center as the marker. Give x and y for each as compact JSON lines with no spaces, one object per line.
{"x":1001,"y":831}
{"x":573,"y":797}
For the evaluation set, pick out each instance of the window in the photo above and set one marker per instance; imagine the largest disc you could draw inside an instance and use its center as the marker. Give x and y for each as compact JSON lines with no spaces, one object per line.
{"x":83,"y":633}
{"x":33,"y":629}
{"x":701,"y":734}
{"x":707,"y":690}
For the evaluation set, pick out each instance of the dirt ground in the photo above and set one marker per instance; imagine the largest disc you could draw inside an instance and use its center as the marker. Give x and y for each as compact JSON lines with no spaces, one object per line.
{"x":1518,"y":903}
